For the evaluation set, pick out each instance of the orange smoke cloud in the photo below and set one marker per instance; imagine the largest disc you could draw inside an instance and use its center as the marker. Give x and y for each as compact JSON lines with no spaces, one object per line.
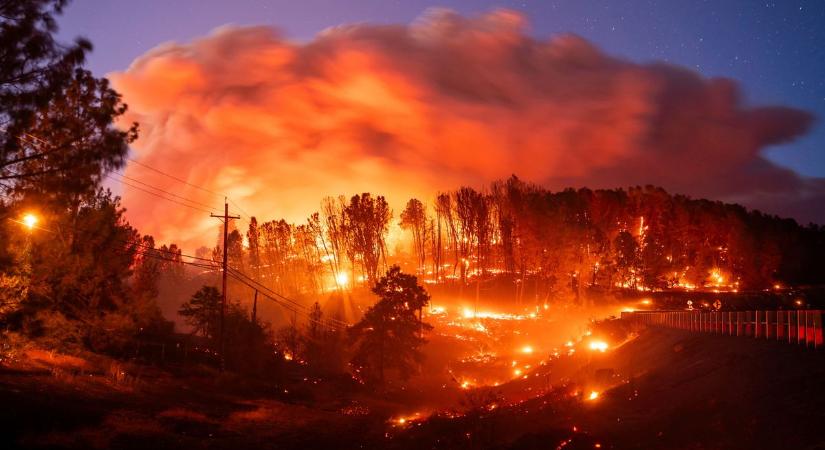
{"x":447,"y":100}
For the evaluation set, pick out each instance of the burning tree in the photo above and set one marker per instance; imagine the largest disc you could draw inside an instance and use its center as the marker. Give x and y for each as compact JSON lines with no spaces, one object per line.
{"x":414,"y":218}
{"x":390,"y":335}
{"x":367,"y":221}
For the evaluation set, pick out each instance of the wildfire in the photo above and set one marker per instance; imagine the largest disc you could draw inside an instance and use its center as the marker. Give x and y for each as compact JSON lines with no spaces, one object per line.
{"x":437,"y":310}
{"x":342,"y":279}
{"x":600,"y":346}
{"x":527,"y":349}
{"x":469,"y":313}
{"x":717,"y":277}
{"x":593,"y":395}
{"x":402,"y":421}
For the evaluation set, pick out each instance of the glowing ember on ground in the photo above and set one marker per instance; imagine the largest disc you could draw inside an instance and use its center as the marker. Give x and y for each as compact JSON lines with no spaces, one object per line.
{"x":469,"y":313}
{"x":593,"y":395}
{"x":402,"y":421}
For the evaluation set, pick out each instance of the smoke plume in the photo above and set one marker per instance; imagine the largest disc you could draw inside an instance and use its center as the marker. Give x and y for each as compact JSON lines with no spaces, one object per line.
{"x":407,"y":110}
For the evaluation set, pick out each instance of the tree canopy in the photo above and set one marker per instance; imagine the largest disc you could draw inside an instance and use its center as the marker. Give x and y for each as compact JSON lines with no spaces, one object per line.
{"x":389,"y":336}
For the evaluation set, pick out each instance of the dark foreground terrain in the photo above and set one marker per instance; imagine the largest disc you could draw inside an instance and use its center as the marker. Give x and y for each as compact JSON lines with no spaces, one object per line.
{"x":662,"y":389}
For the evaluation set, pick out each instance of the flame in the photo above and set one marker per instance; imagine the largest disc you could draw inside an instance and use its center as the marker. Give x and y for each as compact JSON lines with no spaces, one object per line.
{"x":342,"y":279}
{"x":437,"y":310}
{"x":598,"y":346}
{"x":401,"y":421}
{"x":527,"y":349}
{"x":593,"y":395}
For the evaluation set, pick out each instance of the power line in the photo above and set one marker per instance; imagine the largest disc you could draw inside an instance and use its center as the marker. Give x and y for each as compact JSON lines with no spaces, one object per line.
{"x":155,"y":256}
{"x":238,"y":275}
{"x":261,"y":287}
{"x":297,"y":309}
{"x":170,"y":252}
{"x":196,"y":208}
{"x":239,"y":208}
{"x":332,"y":323}
{"x":180,"y":180}
{"x":162,"y":190}
{"x":176,"y":178}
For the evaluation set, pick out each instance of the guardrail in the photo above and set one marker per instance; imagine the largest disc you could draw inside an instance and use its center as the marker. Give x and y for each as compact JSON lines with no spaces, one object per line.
{"x":802,"y":327}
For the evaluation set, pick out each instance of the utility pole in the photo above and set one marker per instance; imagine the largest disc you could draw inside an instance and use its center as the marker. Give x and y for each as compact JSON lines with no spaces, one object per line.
{"x":255,"y":308}
{"x":226,"y":217}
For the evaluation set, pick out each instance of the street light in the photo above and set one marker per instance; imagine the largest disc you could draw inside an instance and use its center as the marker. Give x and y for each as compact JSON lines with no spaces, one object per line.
{"x":30,"y":221}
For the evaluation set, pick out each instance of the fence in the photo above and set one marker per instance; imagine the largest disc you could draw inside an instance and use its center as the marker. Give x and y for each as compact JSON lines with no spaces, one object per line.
{"x":802,"y":327}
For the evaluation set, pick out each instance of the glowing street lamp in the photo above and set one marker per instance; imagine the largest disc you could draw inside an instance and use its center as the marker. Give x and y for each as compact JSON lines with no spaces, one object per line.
{"x":30,"y":221}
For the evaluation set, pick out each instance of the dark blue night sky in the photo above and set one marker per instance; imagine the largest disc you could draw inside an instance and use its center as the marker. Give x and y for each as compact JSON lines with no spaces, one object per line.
{"x":775,"y":49}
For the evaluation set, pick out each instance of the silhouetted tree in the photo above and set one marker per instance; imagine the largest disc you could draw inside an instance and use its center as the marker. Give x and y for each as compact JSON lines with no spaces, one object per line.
{"x":367,"y":221}
{"x":414,"y":218}
{"x":389,"y":335}
{"x":203,"y":312}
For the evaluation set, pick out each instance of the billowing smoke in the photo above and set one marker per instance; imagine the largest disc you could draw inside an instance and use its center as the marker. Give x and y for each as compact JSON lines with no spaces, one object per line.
{"x":407,"y":110}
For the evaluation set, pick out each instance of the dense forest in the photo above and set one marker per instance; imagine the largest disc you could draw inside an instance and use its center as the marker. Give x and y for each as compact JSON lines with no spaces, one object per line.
{"x":640,"y":238}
